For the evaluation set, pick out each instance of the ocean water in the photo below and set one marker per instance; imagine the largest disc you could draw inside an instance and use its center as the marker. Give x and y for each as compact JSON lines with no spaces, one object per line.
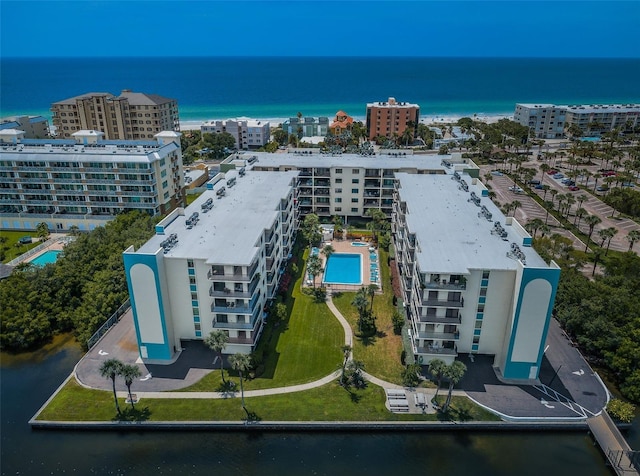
{"x":218,"y":88}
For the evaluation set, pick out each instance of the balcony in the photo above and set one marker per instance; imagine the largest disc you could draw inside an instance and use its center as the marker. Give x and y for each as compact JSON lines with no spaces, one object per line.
{"x":233,"y":325}
{"x":430,"y":350}
{"x":228,"y":292}
{"x":444,"y":284}
{"x":227,"y":277}
{"x":443,"y":303}
{"x":441,"y":320}
{"x":322,"y":183}
{"x":240,"y":340}
{"x":439,"y":335}
{"x":230,"y":308}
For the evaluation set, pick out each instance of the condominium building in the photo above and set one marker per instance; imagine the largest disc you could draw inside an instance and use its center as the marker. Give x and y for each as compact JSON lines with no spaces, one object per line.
{"x":213,"y":265}
{"x":307,"y":126}
{"x":247,"y":133}
{"x":349,"y":185}
{"x":548,"y":121}
{"x":84,"y":181}
{"x":391,"y":117}
{"x":604,"y":117}
{"x":34,"y":127}
{"x":471,"y":282}
{"x":129,"y":116}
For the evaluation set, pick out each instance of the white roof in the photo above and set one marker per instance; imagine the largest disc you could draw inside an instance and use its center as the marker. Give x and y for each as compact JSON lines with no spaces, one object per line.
{"x":228,"y":233}
{"x":451,"y":236}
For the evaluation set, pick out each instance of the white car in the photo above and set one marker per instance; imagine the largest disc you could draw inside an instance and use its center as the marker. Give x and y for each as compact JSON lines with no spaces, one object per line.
{"x":516,"y":189}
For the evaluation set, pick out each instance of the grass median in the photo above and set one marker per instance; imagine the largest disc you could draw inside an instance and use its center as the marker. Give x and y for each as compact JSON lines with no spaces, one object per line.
{"x":380,"y":353}
{"x":330,"y":402}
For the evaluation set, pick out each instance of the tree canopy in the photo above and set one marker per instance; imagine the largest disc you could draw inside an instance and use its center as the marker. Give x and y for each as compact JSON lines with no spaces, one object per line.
{"x":77,"y":293}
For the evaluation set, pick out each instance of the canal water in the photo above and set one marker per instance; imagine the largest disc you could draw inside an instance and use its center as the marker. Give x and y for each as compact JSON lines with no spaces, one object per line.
{"x":27,"y":381}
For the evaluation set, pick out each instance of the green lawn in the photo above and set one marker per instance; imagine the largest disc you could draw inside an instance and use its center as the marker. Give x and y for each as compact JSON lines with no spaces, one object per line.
{"x":191,"y":197}
{"x":304,"y":348}
{"x":11,"y":248}
{"x":380,"y":354}
{"x":330,"y":402}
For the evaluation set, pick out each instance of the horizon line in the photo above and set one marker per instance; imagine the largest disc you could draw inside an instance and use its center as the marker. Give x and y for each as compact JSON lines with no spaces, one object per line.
{"x":386,"y":57}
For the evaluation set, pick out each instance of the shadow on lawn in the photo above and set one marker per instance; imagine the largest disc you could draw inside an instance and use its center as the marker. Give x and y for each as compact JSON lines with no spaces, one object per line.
{"x":133,"y":414}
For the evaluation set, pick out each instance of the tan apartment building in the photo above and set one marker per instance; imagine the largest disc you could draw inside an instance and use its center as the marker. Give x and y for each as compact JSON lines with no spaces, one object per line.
{"x":390,"y":117}
{"x":129,"y":116}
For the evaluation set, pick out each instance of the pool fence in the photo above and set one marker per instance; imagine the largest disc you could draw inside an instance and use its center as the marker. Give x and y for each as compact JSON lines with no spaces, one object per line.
{"x":42,"y":246}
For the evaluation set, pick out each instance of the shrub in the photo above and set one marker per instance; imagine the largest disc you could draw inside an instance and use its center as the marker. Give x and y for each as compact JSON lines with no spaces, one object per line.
{"x":621,"y":410}
{"x":398,"y":322}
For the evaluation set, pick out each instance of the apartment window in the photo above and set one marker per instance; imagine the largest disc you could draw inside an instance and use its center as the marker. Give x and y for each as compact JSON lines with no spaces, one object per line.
{"x":196,"y":311}
{"x":194,"y":296}
{"x":338,"y":180}
{"x":164,"y":184}
{"x":355,"y":180}
{"x":338,"y":209}
{"x":476,"y":339}
{"x":355,"y":171}
{"x":163,"y":173}
{"x":483,"y":292}
{"x":338,"y":200}
{"x":197,"y":326}
{"x":354,"y":200}
{"x":337,"y":190}
{"x":192,"y":280}
{"x":485,"y":275}
{"x":354,"y":209}
{"x":166,"y":195}
{"x":355,"y":190}
{"x":190,"y":263}
{"x":480,"y":307}
{"x":478,"y":324}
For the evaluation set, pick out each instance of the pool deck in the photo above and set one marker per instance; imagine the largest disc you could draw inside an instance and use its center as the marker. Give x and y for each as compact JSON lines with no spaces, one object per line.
{"x":344,"y":246}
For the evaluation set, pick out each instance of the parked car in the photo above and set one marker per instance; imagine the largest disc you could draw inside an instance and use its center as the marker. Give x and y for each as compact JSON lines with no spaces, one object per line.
{"x":496,"y":173}
{"x":609,"y":173}
{"x":552,"y":172}
{"x":570,"y":183}
{"x":539,"y":187}
{"x":573,"y":188}
{"x":516,"y":189}
{"x":534,"y":182}
{"x":628,"y":184}
{"x":558,"y":175}
{"x":602,"y":188}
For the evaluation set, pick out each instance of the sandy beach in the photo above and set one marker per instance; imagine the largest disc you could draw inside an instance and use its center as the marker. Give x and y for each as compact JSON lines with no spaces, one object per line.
{"x":189,"y":125}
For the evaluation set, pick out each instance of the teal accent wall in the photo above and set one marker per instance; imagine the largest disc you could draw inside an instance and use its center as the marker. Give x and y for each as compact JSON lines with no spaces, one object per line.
{"x":154,"y":351}
{"x":521,"y":370}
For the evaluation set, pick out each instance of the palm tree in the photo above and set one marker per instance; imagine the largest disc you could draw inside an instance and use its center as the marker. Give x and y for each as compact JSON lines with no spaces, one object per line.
{"x":241,"y":363}
{"x":547,"y":205}
{"x":608,"y":235}
{"x":454,"y":373}
{"x":327,"y":251}
{"x":579,"y":214}
{"x":129,"y":373}
{"x":545,"y":189}
{"x":633,"y":236}
{"x":360,"y":302}
{"x":371,"y":292}
{"x":515,"y":205}
{"x":346,"y":352}
{"x":554,"y":192}
{"x":534,"y":225}
{"x":436,"y":369}
{"x":217,"y":340}
{"x":314,"y":267}
{"x":591,"y":221}
{"x":111,"y":368}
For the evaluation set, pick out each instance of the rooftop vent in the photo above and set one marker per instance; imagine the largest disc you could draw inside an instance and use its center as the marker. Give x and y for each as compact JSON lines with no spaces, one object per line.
{"x":231,"y":182}
{"x":475,"y":199}
{"x":169,"y":243}
{"x":484,"y":212}
{"x":221,"y":192}
{"x":252,"y":159}
{"x":192,"y":220}
{"x":242,"y":171}
{"x":206,"y":206}
{"x":499,"y":230}
{"x":463,"y":186}
{"x":516,"y":253}
{"x":456,"y":176}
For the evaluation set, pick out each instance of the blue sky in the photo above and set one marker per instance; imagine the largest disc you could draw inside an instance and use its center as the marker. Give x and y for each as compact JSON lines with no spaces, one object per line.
{"x":452,"y":28}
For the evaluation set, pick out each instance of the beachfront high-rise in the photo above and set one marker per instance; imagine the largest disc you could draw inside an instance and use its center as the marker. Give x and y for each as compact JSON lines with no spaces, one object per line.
{"x":129,"y":116}
{"x":471,"y":283}
{"x":390,"y":117}
{"x":213,"y":265}
{"x":34,"y":127}
{"x":85,"y":181}
{"x":247,"y":133}
{"x":548,"y":121}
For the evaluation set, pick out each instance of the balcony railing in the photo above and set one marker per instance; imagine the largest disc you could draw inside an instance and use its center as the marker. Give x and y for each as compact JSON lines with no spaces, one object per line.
{"x":438,"y":302}
{"x":233,"y":325}
{"x":240,"y":340}
{"x":429,"y":350}
{"x":227,"y":277}
{"x":440,"y":320}
{"x":230,"y":309}
{"x":439,"y":335}
{"x":228,"y":292}
{"x":446,"y":285}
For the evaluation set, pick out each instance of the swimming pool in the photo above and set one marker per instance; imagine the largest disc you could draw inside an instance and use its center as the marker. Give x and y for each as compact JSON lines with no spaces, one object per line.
{"x":359,"y":243}
{"x":47,"y":257}
{"x":344,"y":268}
